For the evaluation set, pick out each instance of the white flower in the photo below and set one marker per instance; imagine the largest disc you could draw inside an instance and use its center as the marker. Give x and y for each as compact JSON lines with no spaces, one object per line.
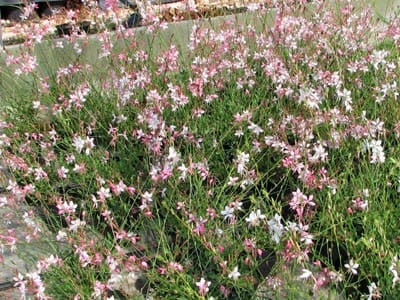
{"x":374,"y":292}
{"x":232,"y":180}
{"x":3,"y":201}
{"x":311,"y":97}
{"x":173,"y":156}
{"x":219,"y":232}
{"x":378,"y":155}
{"x":80,"y":144}
{"x":307,"y":238}
{"x":104,"y":193}
{"x":61,"y":236}
{"x":119,"y":119}
{"x":393,"y":270}
{"x":147,"y":197}
{"x":89,"y":144}
{"x":239,"y":132}
{"x":30,"y":222}
{"x":352,"y":267}
{"x":306,"y":274}
{"x":255,"y":217}
{"x":253,"y":6}
{"x":255,"y":128}
{"x":241,"y":161}
{"x":237,"y":205}
{"x":235,"y":274}
{"x":75,"y":224}
{"x":228,"y":212}
{"x":395,"y":275}
{"x":378,"y":58}
{"x":276,"y":228}
{"x":36,"y":104}
{"x":345,"y":96}
{"x":184,"y":171}
{"x":319,"y":154}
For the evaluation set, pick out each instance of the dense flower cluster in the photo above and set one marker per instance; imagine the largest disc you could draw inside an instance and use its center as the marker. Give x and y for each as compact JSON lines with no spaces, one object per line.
{"x":188,"y":166}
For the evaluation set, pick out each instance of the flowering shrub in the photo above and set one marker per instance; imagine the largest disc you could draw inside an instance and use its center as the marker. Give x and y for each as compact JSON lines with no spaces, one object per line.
{"x":210,"y":169}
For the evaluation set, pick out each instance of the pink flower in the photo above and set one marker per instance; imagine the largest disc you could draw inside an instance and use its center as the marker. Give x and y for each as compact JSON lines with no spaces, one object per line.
{"x":203,"y":286}
{"x":119,"y":188}
{"x":299,"y":202}
{"x":21,"y":283}
{"x":66,"y":207}
{"x":111,"y":4}
{"x":62,"y":172}
{"x":78,"y":97}
{"x":103,"y":193}
{"x":28,"y":10}
{"x":175,"y":266}
{"x":200,"y":229}
{"x":224,"y":291}
{"x":359,"y":204}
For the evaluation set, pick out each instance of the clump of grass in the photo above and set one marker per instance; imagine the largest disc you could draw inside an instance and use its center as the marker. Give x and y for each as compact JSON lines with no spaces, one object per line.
{"x":248,"y":159}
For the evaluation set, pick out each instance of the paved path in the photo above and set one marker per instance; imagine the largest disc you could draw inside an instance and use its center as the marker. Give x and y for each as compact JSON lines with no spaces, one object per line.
{"x":9,"y":262}
{"x":22,"y":259}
